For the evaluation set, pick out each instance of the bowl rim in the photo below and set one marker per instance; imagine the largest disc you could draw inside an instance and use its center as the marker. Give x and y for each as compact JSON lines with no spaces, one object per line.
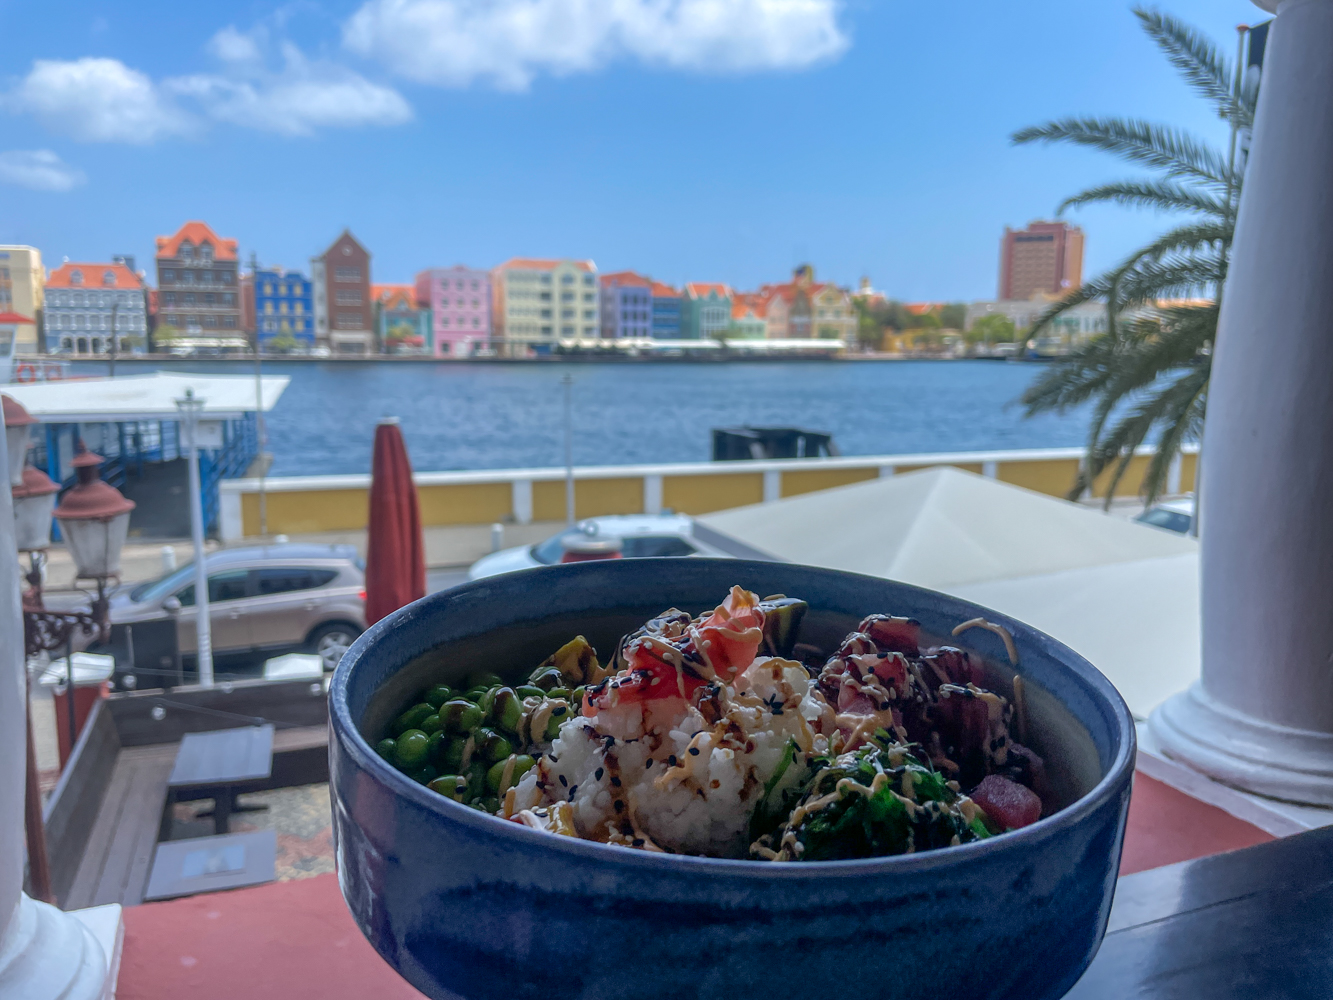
{"x":363,"y":755}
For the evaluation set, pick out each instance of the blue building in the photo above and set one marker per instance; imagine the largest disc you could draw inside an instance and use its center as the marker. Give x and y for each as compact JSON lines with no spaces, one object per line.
{"x":666,"y":312}
{"x":284,"y":310}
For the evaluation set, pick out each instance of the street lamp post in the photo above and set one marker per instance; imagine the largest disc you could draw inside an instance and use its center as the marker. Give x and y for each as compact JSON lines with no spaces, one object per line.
{"x":567,"y":382}
{"x":190,"y":408}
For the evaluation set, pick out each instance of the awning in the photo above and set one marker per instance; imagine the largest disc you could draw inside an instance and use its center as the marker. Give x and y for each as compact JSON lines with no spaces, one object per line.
{"x":142,"y":397}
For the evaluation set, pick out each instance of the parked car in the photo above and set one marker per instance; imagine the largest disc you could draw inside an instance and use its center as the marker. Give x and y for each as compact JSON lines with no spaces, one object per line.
{"x":641,"y":536}
{"x":1173,"y":515}
{"x":263,"y":600}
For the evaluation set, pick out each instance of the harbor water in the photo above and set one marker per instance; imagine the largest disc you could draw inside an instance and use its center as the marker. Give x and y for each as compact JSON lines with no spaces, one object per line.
{"x":500,"y":416}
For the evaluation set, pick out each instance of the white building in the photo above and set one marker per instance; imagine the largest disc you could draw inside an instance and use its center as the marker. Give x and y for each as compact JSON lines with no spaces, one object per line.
{"x":540,"y":302}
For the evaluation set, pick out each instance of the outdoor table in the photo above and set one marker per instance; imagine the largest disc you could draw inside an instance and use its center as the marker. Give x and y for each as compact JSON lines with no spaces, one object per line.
{"x":1253,"y":923}
{"x":218,"y":764}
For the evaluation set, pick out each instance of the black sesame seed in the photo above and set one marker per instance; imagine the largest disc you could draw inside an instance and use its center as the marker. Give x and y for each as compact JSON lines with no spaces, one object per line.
{"x":615,"y":782}
{"x":572,"y":790}
{"x":649,"y":764}
{"x":558,"y":711}
{"x":619,"y":805}
{"x":694,"y":751}
{"x":671,"y":761}
{"x":563,"y":781}
{"x":637,"y":842}
{"x":597,"y":775}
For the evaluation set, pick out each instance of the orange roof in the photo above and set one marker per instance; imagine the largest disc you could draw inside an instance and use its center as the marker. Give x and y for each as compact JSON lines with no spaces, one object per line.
{"x":94,"y":276}
{"x":629,"y":279}
{"x":196,"y":233}
{"x":921,"y":308}
{"x":662,"y":291}
{"x":701,"y":289}
{"x":394,"y":296}
{"x":538,"y":264}
{"x":749,"y":303}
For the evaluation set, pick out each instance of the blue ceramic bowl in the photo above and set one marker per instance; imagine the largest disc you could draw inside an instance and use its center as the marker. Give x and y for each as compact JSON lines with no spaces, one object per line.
{"x":467,"y":905}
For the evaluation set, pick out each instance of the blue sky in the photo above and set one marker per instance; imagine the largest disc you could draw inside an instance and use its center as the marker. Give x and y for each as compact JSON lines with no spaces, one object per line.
{"x":690,"y":139}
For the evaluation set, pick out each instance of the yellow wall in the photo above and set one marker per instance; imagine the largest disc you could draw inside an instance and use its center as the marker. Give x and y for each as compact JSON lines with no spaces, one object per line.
{"x":306,"y":511}
{"x":808,"y":481}
{"x":592,"y":498}
{"x":965,"y":466}
{"x":704,"y":494}
{"x":1053,"y":477}
{"x":465,"y":503}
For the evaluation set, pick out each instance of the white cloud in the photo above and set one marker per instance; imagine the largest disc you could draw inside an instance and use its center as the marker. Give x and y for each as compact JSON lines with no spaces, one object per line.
{"x":508,"y":42}
{"x":97,"y":100}
{"x":303,"y":96}
{"x":103,"y":100}
{"x":38,"y":169}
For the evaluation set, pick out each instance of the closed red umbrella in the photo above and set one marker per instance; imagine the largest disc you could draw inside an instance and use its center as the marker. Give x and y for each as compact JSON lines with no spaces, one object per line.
{"x":396,"y":557}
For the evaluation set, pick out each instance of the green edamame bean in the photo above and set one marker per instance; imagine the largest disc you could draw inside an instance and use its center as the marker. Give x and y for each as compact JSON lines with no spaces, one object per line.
{"x":484,"y":679}
{"x":475,"y":695}
{"x":559,"y":715}
{"x":476,"y":780}
{"x":491,"y":746}
{"x":490,"y":805}
{"x":506,"y":710}
{"x":451,"y":786}
{"x":431,"y":724}
{"x":529,"y":691}
{"x":410,"y":753}
{"x":385,"y":749}
{"x":558,"y":693}
{"x":459,"y":716}
{"x":424,"y":775}
{"x":438,"y":695}
{"x":547,"y":678}
{"x":435,"y":746}
{"x":411,"y":719}
{"x":576,"y":698}
{"x":522,"y":765}
{"x":488,"y":699}
{"x":451,"y":757}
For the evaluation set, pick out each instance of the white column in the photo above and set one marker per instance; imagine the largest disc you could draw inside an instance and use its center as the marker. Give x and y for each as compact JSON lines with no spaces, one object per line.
{"x":1261,"y":717}
{"x":520,"y":498}
{"x":44,"y":954}
{"x":772,"y":485}
{"x":991,"y":469}
{"x":652,"y":494}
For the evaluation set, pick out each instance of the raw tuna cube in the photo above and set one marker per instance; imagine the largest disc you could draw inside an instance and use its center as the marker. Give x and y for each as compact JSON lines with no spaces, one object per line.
{"x":1008,"y":804}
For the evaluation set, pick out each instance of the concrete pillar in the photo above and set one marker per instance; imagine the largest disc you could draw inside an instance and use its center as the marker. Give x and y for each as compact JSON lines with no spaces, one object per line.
{"x":1261,"y":717}
{"x":772,"y":485}
{"x":652,"y":494}
{"x":520,"y":497}
{"x":44,"y":954}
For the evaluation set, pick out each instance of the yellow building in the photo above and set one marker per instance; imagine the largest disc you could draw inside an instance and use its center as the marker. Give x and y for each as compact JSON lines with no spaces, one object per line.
{"x":22,"y":291}
{"x":538,"y":303}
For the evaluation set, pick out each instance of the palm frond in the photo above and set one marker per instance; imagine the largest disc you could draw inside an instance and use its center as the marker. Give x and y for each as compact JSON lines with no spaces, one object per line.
{"x":1206,"y":71}
{"x":1159,"y":146}
{"x":1181,"y":420}
{"x":1171,"y":276}
{"x":1162,"y":195}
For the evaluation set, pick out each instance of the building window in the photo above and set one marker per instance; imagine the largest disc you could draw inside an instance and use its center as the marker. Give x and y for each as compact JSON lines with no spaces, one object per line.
{"x":76,"y":278}
{"x":229,"y":321}
{"x":347,"y":274}
{"x":210,"y":321}
{"x":348,"y":321}
{"x":348,"y":297}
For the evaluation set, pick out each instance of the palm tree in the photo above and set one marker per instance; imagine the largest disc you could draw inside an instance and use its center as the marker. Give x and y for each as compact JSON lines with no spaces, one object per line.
{"x":1148,"y":373}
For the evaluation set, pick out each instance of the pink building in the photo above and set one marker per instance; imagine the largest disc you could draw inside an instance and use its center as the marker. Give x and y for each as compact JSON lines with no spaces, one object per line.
{"x":459,"y":300}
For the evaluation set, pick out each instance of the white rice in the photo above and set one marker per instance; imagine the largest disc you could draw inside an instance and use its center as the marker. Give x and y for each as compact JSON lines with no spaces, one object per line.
{"x":701,"y":803}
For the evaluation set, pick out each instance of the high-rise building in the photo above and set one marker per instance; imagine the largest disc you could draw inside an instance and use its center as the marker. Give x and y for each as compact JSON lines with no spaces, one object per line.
{"x":22,"y":279}
{"x":85,"y":302}
{"x":284,"y":305}
{"x":627,"y":305}
{"x":344,"y":319}
{"x":1046,"y":258}
{"x":458,"y":300}
{"x":539,"y":302}
{"x":196,"y":280}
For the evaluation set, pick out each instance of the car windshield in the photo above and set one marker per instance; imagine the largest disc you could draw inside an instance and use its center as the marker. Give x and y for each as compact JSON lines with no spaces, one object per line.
{"x":161,"y":587}
{"x":1171,"y":520}
{"x":552,"y":549}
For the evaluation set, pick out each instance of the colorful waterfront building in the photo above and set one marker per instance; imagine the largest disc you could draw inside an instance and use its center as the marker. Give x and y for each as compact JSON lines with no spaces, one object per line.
{"x":627,"y":306}
{"x":284,"y":304}
{"x":538,"y":302}
{"x":749,"y":317}
{"x":804,"y":308}
{"x":666,"y":312}
{"x":197,"y":283}
{"x":85,"y":303}
{"x":458,"y":303}
{"x":401,"y":325}
{"x":22,"y":279}
{"x":344,"y":320}
{"x":705,"y":310}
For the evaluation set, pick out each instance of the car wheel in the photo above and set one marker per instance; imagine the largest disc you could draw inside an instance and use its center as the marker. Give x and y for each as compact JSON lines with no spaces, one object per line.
{"x":330,"y":642}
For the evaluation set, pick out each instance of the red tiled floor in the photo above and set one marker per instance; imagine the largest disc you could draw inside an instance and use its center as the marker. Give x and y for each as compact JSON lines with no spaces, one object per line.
{"x":1166,"y":826}
{"x":292,"y":940}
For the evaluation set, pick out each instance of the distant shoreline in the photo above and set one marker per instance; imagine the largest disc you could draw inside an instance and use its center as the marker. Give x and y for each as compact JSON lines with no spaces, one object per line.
{"x":342,"y":359}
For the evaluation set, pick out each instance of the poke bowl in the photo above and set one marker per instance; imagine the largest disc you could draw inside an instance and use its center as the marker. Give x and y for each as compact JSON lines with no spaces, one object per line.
{"x":463,"y":903}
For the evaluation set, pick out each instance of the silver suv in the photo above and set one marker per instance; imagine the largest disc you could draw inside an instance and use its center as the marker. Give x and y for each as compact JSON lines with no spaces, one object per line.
{"x":261,"y":600}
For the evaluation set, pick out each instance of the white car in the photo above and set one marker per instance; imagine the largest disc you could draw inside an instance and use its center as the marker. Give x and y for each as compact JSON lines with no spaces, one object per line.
{"x":641,"y":536}
{"x":1172,"y":515}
